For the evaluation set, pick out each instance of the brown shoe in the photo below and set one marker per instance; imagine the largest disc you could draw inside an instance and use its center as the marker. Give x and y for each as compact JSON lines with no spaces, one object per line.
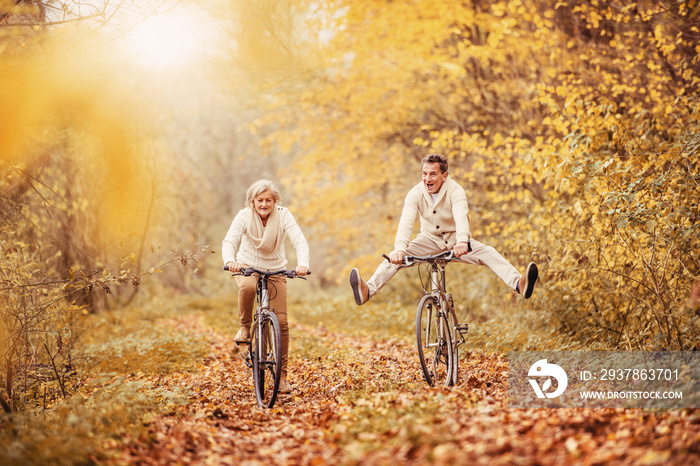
{"x":359,"y":287}
{"x":243,"y":335}
{"x":527,"y":281}
{"x":284,"y":386}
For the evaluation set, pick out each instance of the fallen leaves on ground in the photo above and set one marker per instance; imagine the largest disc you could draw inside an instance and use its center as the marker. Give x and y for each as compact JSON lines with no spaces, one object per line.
{"x":358,"y":400}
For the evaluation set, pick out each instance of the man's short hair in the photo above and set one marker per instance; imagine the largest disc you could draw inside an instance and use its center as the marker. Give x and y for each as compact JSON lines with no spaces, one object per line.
{"x":436,"y":158}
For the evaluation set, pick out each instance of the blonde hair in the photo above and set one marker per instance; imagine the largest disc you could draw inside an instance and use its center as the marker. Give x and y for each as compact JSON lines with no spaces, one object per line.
{"x":258,"y":188}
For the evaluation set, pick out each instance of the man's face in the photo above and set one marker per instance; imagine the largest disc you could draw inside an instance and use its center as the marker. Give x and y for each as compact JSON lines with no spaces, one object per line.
{"x":433,"y":177}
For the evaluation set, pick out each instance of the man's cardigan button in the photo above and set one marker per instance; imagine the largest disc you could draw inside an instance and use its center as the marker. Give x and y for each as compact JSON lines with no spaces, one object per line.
{"x":435,"y":211}
{"x":438,"y":227}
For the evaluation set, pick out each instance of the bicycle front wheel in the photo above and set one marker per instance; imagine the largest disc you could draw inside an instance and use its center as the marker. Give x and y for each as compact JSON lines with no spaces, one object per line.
{"x":433,"y":336}
{"x":267,"y":359}
{"x":452,"y":325}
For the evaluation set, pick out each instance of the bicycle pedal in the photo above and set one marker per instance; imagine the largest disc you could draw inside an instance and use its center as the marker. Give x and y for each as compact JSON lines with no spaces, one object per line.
{"x":462,"y":329}
{"x":242,"y":343}
{"x":248,"y":362}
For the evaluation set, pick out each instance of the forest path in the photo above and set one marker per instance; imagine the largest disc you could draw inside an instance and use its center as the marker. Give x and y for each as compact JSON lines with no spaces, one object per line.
{"x":358,"y":400}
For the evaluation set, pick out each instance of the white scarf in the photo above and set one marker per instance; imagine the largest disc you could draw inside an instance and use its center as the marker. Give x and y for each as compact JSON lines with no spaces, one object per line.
{"x":265,"y":238}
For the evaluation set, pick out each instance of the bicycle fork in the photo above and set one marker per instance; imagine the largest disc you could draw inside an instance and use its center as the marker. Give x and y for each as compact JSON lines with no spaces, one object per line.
{"x":264,"y":302}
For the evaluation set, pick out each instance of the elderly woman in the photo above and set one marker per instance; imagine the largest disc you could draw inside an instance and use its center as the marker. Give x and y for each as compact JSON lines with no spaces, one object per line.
{"x":256,"y":239}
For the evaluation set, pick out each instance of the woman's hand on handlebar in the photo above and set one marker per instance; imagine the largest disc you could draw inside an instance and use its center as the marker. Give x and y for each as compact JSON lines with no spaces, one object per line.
{"x":301,"y":270}
{"x":234,"y":266}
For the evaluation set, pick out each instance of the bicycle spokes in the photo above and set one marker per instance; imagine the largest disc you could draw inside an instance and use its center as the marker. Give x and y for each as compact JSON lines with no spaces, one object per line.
{"x":267,"y":359}
{"x":434,"y":342}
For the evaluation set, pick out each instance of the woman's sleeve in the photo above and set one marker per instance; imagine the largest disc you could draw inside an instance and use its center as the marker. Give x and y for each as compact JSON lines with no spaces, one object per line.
{"x":233,"y":238}
{"x":291,"y":228}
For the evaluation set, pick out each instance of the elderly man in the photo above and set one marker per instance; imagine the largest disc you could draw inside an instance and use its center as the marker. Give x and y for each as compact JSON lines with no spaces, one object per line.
{"x":442,"y":205}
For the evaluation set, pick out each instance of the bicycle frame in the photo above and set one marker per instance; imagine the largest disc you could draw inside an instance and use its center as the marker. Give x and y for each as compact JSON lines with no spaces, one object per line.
{"x":261,"y":311}
{"x":438,"y":289}
{"x":262,"y":341}
{"x":444,"y":308}
{"x":263,"y":307}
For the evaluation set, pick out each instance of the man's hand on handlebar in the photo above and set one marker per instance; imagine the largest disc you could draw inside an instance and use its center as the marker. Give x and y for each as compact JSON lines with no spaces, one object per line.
{"x":396,"y":257}
{"x":461,"y":248}
{"x":402,"y":259}
{"x":301,"y":270}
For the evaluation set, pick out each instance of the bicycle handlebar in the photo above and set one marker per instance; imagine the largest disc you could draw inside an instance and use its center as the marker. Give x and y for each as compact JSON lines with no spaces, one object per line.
{"x":248,"y":271}
{"x":410,"y":260}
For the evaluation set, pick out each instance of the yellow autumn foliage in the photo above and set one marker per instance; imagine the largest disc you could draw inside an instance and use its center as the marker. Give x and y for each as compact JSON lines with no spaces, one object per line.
{"x":573,"y":128}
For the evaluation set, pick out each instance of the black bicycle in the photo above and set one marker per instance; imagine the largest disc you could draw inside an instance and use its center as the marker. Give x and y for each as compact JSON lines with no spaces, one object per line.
{"x":265,"y":345}
{"x":438,"y":332}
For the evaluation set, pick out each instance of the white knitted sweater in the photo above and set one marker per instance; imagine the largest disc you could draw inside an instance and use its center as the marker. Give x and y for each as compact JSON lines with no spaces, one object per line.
{"x":444,"y":220}
{"x":249,"y":255}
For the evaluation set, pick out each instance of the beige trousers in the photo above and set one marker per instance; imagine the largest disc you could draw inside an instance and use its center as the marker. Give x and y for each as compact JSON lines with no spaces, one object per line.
{"x":277,"y":291}
{"x":424,"y":246}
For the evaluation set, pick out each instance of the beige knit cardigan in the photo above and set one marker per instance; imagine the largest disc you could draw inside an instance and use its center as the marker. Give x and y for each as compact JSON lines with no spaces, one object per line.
{"x":443,"y":221}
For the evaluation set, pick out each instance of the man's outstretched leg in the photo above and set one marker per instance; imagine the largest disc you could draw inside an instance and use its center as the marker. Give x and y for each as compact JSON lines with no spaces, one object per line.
{"x":488,"y":256}
{"x":359,"y":288}
{"x":362,"y":291}
{"x":527,"y":282}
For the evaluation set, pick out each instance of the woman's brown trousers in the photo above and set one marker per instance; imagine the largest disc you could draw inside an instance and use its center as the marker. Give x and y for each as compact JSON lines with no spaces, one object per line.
{"x":277,"y":291}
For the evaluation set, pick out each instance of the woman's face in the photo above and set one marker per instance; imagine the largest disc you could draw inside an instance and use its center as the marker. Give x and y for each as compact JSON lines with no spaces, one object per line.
{"x":264,"y":203}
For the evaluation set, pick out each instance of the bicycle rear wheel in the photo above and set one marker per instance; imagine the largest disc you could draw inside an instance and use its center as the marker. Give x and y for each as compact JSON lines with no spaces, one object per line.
{"x":433,"y":336}
{"x":267,"y":359}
